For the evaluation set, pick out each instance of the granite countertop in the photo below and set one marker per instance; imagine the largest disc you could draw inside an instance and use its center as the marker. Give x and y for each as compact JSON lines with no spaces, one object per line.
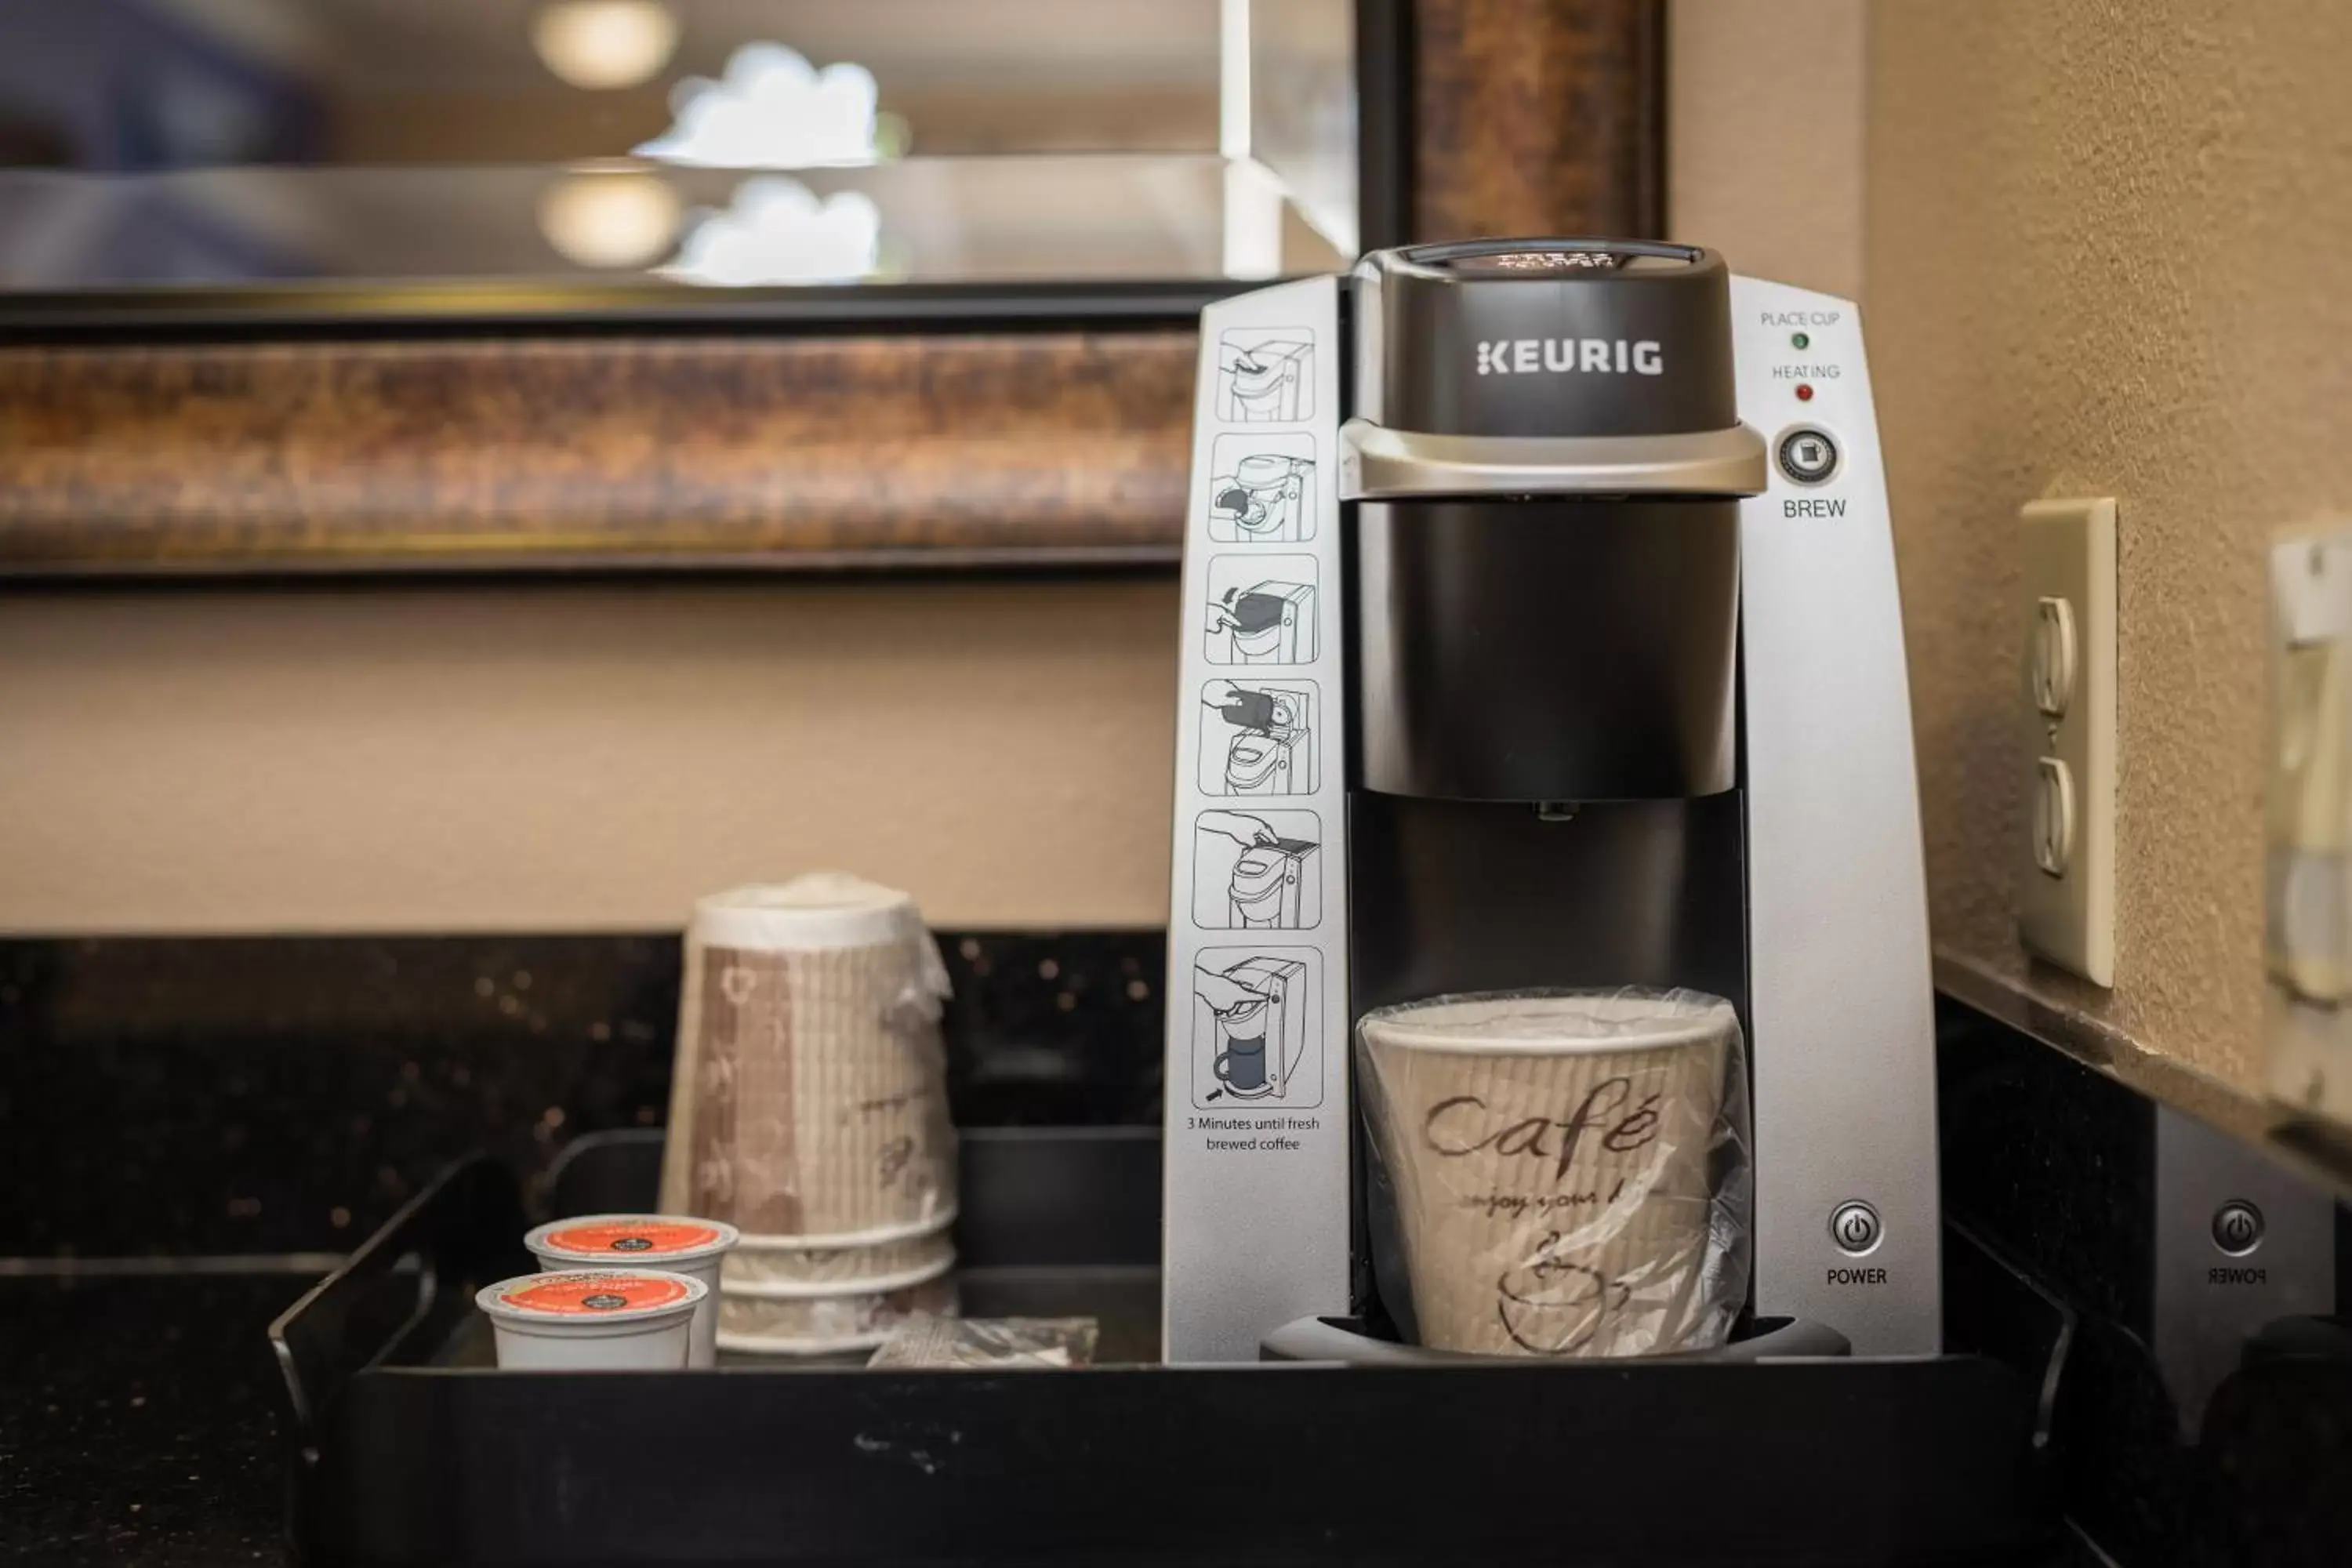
{"x":269,"y":1101}
{"x":141,"y":1418}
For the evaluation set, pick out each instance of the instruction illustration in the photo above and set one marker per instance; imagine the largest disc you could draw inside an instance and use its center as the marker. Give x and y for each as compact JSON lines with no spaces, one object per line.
{"x":1257,"y":870}
{"x":1257,"y":738}
{"x":1261,"y":609}
{"x":1262,"y":489}
{"x":1265,"y":375}
{"x":1254,"y":1028}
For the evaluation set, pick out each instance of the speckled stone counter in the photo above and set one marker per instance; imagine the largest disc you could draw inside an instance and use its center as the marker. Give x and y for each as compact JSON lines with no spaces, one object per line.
{"x":139,"y":1419}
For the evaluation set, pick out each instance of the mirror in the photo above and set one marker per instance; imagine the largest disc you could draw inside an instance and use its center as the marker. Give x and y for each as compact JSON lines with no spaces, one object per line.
{"x":350,"y":152}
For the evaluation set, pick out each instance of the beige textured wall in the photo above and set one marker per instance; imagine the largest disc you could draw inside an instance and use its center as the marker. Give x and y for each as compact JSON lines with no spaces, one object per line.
{"x":1764,"y":136}
{"x":2106,"y":254}
{"x":546,"y":757}
{"x":2104,"y":247}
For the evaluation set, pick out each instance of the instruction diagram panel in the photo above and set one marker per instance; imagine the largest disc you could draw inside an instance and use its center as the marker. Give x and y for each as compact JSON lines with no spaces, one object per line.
{"x":1258,"y":738}
{"x":1265,"y":375}
{"x":1262,"y":609}
{"x":1257,"y":870}
{"x":1257,"y":1017}
{"x":1262,"y":489}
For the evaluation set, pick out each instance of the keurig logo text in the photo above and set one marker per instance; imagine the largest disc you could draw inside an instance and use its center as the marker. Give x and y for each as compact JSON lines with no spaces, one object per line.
{"x":1610,"y":356}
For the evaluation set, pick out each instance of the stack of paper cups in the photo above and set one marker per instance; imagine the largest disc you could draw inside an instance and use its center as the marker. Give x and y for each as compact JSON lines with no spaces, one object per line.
{"x":809,"y":1109}
{"x":1569,"y":1168}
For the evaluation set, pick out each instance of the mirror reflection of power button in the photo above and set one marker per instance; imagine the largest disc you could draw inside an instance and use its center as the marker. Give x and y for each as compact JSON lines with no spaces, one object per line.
{"x":1807,"y":455}
{"x":2237,"y":1227}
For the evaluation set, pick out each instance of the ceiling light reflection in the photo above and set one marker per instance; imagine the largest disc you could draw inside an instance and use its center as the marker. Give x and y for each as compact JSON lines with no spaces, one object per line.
{"x":610,"y":219}
{"x":605,"y":43}
{"x":776,"y":231}
{"x":772,"y":110}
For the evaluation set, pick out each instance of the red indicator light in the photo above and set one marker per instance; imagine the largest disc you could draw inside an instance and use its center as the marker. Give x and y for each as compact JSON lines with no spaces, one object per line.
{"x":1804,"y":391}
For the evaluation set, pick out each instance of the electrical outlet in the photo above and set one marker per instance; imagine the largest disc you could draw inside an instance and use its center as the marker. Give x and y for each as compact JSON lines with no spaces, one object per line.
{"x":2066,"y":867}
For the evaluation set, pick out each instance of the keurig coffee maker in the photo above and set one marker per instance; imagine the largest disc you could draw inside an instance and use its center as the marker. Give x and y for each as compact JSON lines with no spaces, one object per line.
{"x":1610,"y":668}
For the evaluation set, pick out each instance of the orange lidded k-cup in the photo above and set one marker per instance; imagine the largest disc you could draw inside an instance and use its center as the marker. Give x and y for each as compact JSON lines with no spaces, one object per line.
{"x":594,"y":1320}
{"x":672,"y":1244}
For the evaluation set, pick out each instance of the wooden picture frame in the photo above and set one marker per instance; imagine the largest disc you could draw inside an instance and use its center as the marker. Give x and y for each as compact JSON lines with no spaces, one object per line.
{"x":929,"y":443}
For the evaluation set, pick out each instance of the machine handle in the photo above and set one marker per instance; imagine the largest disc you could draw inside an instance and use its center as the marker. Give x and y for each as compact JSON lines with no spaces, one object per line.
{"x":1380,"y":464}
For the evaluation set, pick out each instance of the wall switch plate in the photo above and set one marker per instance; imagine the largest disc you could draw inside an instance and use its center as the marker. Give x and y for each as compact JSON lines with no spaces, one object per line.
{"x":2066,"y":702}
{"x":2307,"y":938}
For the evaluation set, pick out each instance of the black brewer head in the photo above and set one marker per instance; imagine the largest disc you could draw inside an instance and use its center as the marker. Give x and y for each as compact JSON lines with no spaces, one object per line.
{"x":1552,"y":337}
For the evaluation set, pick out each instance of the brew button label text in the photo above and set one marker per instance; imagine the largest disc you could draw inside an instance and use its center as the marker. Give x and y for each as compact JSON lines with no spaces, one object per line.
{"x":1812,"y":506}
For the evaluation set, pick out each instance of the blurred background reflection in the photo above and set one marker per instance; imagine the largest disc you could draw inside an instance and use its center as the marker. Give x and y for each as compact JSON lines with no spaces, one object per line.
{"x":730,"y":142}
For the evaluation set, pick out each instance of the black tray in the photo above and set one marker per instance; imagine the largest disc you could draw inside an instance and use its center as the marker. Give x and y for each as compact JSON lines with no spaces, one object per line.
{"x":413,"y":1450}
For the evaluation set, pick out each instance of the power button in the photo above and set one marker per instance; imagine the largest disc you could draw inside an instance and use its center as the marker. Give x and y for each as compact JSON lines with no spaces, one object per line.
{"x":1807,"y":455}
{"x":1855,"y":1228}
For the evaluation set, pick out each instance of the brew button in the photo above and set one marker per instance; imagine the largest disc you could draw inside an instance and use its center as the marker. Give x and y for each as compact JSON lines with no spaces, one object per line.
{"x":1807,"y":456}
{"x":1854,"y":1227}
{"x":2237,"y":1227}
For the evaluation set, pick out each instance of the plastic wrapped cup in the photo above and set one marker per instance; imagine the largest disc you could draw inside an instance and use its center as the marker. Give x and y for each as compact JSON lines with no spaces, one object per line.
{"x":1569,"y":1168}
{"x":693,"y":1248}
{"x":831,"y":1318}
{"x":594,"y":1320}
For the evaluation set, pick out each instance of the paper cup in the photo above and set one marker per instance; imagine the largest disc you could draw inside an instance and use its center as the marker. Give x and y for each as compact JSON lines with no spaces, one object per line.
{"x":1553,"y":1160}
{"x":811,"y":1096}
{"x":786,"y":1260}
{"x":594,"y":1320}
{"x":816,"y":1320}
{"x":673,"y":1245}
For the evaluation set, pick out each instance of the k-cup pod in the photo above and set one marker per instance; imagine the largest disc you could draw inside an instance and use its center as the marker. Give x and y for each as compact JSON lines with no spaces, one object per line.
{"x":810,"y":1094}
{"x":1567,"y":1169}
{"x":594,"y":1320}
{"x":829,"y":1320}
{"x":693,"y":1248}
{"x":793,"y":1260}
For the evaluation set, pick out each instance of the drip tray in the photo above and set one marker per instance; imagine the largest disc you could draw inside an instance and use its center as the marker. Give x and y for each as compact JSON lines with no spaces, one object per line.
{"x":412,"y":1449}
{"x":1348,"y":1342}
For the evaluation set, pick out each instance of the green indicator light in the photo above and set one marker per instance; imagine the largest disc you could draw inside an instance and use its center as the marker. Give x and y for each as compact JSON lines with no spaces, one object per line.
{"x":1799,"y":340}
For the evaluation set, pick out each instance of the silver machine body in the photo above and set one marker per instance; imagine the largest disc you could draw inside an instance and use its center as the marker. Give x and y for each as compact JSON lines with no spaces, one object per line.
{"x":1561,"y":698}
